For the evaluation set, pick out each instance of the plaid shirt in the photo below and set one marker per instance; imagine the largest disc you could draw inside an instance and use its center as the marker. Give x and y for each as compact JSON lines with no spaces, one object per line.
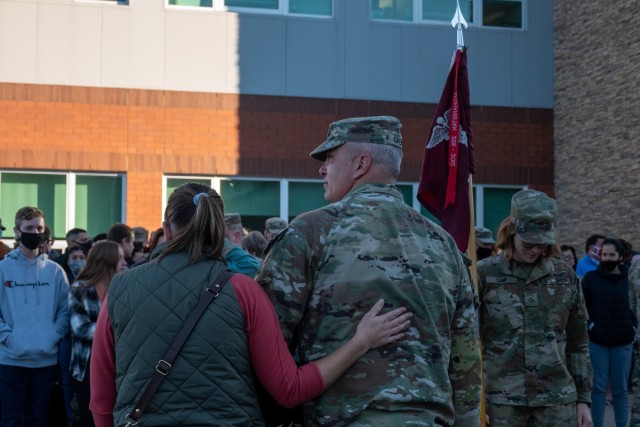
{"x":84,"y":307}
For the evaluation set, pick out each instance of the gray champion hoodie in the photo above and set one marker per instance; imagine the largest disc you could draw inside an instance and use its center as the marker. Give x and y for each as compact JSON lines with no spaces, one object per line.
{"x":34,"y":312}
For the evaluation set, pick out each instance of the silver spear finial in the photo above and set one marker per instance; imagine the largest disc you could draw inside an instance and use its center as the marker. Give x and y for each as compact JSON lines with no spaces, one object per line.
{"x":457,"y":22}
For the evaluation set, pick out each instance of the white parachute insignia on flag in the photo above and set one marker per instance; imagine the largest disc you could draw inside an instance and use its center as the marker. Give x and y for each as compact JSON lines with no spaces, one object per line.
{"x":441,"y":132}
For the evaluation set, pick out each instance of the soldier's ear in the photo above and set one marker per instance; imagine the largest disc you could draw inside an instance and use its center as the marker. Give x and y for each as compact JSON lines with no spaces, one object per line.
{"x":362,"y":165}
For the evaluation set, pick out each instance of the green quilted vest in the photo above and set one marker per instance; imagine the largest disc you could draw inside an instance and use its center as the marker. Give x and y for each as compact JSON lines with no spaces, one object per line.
{"x":211,"y":381}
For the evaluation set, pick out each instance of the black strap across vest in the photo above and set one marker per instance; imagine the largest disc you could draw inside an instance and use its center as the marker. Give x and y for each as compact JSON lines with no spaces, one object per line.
{"x":164,"y":365}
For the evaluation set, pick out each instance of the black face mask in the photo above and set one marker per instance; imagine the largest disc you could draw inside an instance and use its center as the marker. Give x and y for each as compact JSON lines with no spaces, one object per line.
{"x":483,"y":253}
{"x":31,"y":241}
{"x":609,"y":265}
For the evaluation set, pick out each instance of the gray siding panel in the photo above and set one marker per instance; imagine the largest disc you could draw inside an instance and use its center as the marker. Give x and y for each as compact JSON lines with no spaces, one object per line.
{"x":490,"y":68}
{"x":313,"y":65}
{"x":262,"y":53}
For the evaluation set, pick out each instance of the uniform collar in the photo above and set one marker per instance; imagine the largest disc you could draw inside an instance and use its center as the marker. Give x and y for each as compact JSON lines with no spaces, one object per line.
{"x":541,"y":268}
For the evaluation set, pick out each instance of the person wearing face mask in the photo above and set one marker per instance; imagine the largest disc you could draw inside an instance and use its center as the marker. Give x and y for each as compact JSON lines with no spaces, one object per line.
{"x":533,"y":324}
{"x":33,"y":319}
{"x":78,"y":237}
{"x":74,"y":237}
{"x":76,"y":260}
{"x":592,"y":255}
{"x":85,"y":299}
{"x":612,"y":327}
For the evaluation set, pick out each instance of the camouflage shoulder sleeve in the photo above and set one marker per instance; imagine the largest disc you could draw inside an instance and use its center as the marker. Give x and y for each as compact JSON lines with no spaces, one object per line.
{"x":634,"y":292}
{"x":577,"y":349}
{"x":464,"y":370}
{"x":287,"y":274}
{"x":486,"y":267}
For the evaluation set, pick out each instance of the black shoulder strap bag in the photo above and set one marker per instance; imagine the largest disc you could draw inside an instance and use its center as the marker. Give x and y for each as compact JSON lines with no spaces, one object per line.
{"x":164,"y":365}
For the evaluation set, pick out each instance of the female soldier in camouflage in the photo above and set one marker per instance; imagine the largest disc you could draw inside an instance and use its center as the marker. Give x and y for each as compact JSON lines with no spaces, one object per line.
{"x":533,"y":324}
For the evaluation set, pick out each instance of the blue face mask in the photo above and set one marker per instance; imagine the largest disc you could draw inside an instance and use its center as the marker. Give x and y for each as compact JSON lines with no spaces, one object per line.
{"x":76,"y":265}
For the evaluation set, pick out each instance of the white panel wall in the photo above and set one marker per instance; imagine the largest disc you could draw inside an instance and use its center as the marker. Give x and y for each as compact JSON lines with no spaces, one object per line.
{"x":69,"y":44}
{"x":197,"y":59}
{"x":134,"y":40}
{"x":18,"y":41}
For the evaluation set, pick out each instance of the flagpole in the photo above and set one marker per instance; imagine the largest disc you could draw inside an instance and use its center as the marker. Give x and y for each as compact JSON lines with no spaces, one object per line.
{"x":471,"y":248}
{"x":458,"y":22}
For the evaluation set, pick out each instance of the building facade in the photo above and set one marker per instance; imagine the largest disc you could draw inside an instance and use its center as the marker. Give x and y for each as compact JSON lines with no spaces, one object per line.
{"x":106,"y":107}
{"x":597,"y":167}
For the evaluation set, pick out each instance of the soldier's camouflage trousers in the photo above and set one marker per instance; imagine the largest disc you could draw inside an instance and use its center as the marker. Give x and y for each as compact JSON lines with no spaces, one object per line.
{"x":525,"y":416}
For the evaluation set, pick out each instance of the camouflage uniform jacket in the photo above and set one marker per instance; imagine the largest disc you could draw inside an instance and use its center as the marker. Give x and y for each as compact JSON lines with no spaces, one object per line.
{"x":634,"y":293}
{"x":634,"y":296}
{"x":534,"y":334}
{"x":331,"y":265}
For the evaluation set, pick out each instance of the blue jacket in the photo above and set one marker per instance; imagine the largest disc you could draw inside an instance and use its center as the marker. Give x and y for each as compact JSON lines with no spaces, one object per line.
{"x":240,"y":261}
{"x":585,"y":265}
{"x":34,"y":314}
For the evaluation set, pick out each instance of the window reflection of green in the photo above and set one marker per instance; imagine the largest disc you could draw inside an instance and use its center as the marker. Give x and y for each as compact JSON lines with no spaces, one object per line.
{"x":47,"y":192}
{"x":311,"y":7}
{"x":497,"y":206}
{"x":98,"y":202}
{"x":258,"y":4}
{"x":443,"y":10}
{"x":396,"y":10}
{"x":502,"y":13}
{"x":173,"y":183}
{"x":304,"y":197}
{"x":407,"y":193}
{"x":201,"y":3}
{"x":255,"y":201}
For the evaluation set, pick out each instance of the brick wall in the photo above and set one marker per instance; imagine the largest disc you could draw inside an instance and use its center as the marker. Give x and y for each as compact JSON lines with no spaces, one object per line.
{"x":597,"y":165}
{"x":146,"y":134}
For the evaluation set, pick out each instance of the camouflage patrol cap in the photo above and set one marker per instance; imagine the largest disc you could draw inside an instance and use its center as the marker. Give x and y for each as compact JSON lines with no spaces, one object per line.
{"x":232,"y":221}
{"x":140,"y":234}
{"x":534,"y":215}
{"x":376,"y":130}
{"x":484,"y":235}
{"x":275,"y":225}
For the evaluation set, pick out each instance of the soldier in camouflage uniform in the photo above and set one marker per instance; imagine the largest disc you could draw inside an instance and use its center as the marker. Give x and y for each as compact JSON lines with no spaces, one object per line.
{"x":634,"y":297}
{"x":330,"y":264}
{"x":533,"y":324}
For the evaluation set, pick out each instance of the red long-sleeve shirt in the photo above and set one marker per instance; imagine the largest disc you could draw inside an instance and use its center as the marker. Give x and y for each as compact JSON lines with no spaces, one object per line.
{"x":288,"y":384}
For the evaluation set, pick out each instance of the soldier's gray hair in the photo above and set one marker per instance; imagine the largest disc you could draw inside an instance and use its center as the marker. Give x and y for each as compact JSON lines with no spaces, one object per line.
{"x":387,"y":156}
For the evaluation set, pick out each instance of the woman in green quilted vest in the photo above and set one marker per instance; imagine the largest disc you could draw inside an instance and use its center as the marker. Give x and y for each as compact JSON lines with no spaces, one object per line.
{"x":237,"y":339}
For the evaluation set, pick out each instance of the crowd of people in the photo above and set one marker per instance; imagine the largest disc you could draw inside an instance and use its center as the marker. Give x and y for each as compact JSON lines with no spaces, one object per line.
{"x":362,"y":312}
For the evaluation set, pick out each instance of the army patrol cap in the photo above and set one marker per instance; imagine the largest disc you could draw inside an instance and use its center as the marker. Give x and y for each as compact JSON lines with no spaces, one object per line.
{"x":376,"y":130}
{"x":534,"y":215}
{"x":275,"y":225}
{"x":233,"y":221}
{"x":484,"y":235}
{"x":140,"y":234}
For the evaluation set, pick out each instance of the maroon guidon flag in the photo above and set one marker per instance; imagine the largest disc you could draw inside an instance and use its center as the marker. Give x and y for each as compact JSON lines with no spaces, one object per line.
{"x":448,"y":156}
